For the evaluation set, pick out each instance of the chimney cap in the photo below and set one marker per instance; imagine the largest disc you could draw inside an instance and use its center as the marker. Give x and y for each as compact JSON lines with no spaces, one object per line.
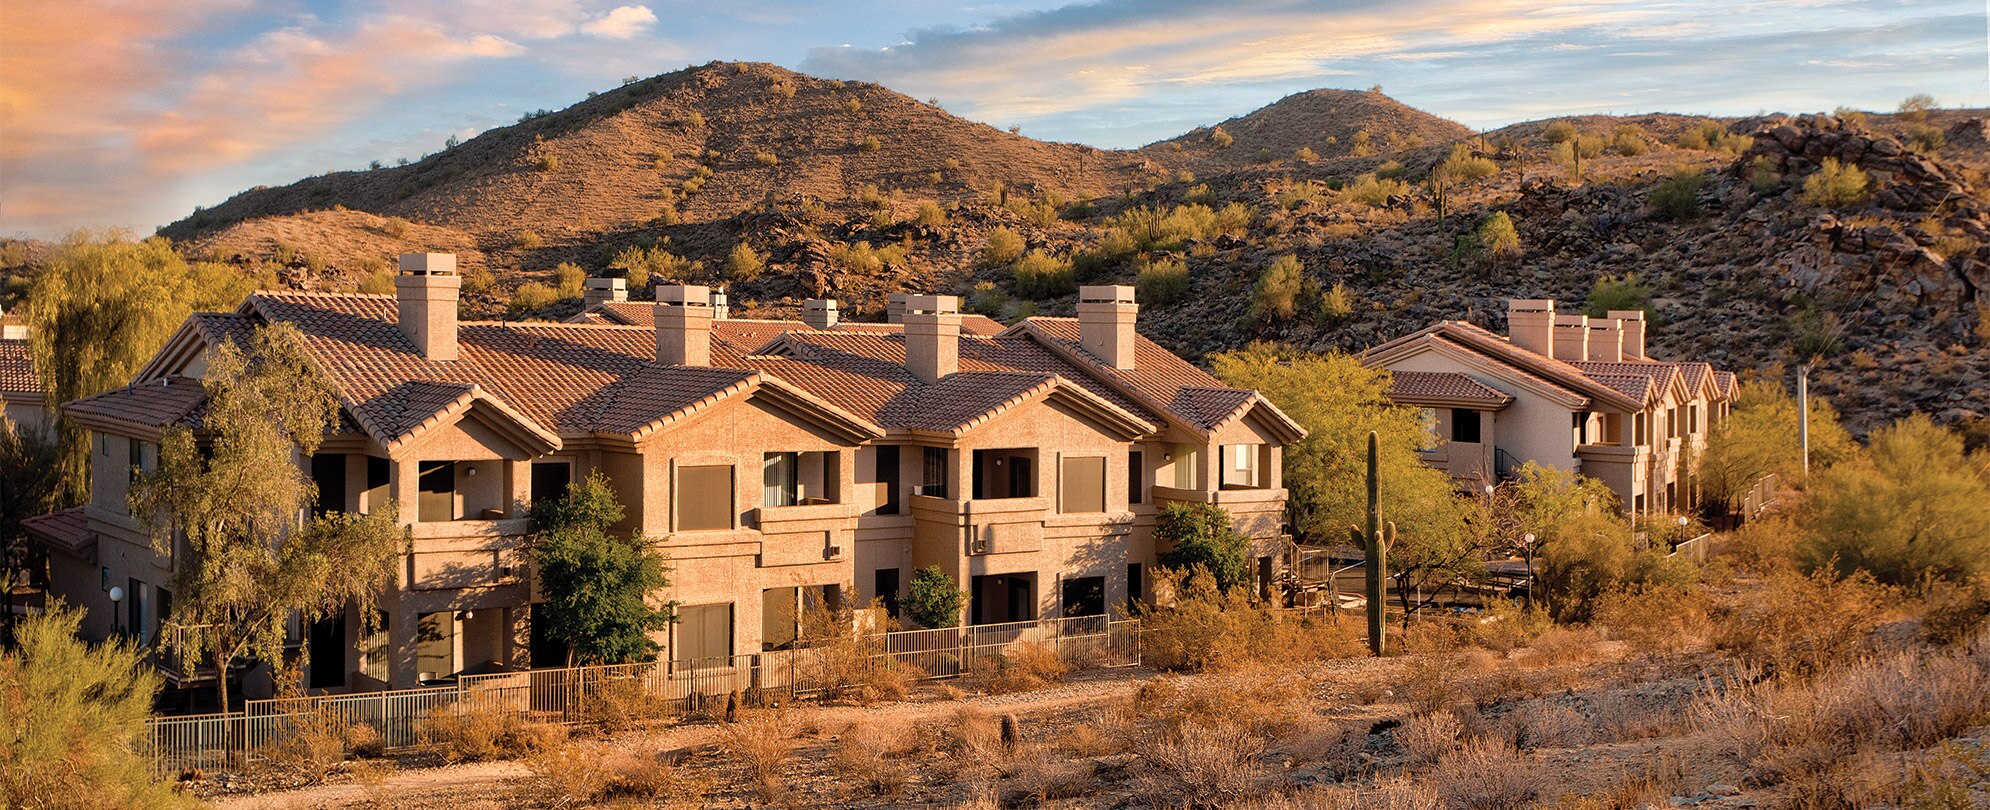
{"x":606,"y":284}
{"x":683,"y":295}
{"x":820,"y":303}
{"x":932,"y":305}
{"x":428,"y":264}
{"x":1627,"y":314}
{"x":1530,"y":305}
{"x":1105,"y":293}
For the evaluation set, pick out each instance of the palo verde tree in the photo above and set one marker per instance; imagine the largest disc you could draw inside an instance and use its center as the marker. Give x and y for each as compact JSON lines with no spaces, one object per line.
{"x":1199,"y":536}
{"x":1759,"y":437}
{"x":235,"y":492}
{"x":598,"y":586}
{"x":1914,"y":507}
{"x":99,"y":310}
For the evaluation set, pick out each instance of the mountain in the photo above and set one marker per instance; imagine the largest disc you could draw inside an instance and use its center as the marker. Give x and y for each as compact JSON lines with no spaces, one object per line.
{"x":1887,"y":291}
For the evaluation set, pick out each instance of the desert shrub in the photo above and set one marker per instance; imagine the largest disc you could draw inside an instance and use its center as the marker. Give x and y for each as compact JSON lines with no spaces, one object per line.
{"x":1763,"y":177}
{"x":1489,"y":775}
{"x":1221,"y":139}
{"x":1559,"y":132}
{"x":478,"y":281}
{"x":870,"y":143}
{"x":378,"y":282}
{"x":762,"y":745}
{"x":1464,"y":166}
{"x":587,"y":774}
{"x":1799,"y":624}
{"x":1916,"y":107}
{"x":1955,"y":613}
{"x":862,"y":259}
{"x":1816,"y":333}
{"x":1835,"y":185}
{"x":1915,"y":505}
{"x":1625,"y":292}
{"x":1656,"y":619}
{"x":1152,"y":228}
{"x":1194,"y":626}
{"x":1710,"y":136}
{"x":1199,"y":766}
{"x":1041,"y":275}
{"x":549,"y":163}
{"x":569,"y":280}
{"x":617,"y":704}
{"x":987,"y":299}
{"x":315,"y":742}
{"x":933,"y":598}
{"x":844,"y":654}
{"x":970,"y":733}
{"x":527,"y":239}
{"x":1020,"y":668}
{"x":1275,"y":297}
{"x":396,"y":227}
{"x":1374,"y":191}
{"x":1336,"y":303}
{"x":929,"y":215}
{"x":1546,"y":723}
{"x":1925,"y":138}
{"x":1034,"y":775}
{"x":744,"y":263}
{"x":1391,"y":170}
{"x":871,"y":754}
{"x":1429,"y":684}
{"x":480,"y":728}
{"x":1497,"y":237}
{"x":1631,"y":141}
{"x":1678,"y":197}
{"x":1003,"y":248}
{"x":766,"y":159}
{"x":532,"y":296}
{"x":1426,"y":737}
{"x":1162,"y":280}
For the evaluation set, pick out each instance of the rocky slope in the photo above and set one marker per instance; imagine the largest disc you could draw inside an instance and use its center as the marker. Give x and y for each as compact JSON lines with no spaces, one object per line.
{"x":1881,"y":291}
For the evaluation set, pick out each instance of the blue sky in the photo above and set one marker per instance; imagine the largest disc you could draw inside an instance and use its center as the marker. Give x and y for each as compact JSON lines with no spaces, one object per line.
{"x":127,"y":113}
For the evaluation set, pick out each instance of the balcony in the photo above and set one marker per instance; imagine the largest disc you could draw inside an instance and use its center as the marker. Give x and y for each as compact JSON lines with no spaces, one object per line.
{"x":805,"y":533}
{"x":1256,"y":512}
{"x":994,"y":526}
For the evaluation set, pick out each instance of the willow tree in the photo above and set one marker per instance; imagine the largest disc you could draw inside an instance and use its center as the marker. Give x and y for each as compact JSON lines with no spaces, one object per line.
{"x":99,"y":310}
{"x":236,"y":495}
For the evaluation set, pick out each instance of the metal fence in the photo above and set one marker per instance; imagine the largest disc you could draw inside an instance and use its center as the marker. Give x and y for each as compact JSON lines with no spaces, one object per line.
{"x":217,"y":742}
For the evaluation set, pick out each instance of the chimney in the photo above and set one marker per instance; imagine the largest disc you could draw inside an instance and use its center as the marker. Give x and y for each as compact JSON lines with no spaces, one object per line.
{"x":721,"y":306}
{"x":1633,"y":324}
{"x":603,"y":290}
{"x":427,"y":289}
{"x":683,"y":325}
{"x":1572,"y":337}
{"x":1530,"y":324}
{"x":932,"y":336}
{"x":819,"y":313}
{"x":1105,"y":323}
{"x":12,"y":327}
{"x":894,"y":307}
{"x":1606,"y":340}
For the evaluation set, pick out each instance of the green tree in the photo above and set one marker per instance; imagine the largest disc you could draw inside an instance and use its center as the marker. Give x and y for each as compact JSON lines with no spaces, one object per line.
{"x":1577,"y":542}
{"x":74,"y":723}
{"x":234,"y":493}
{"x":1914,"y":505}
{"x":1200,"y":536}
{"x":933,"y":598}
{"x":99,"y":310}
{"x":1759,"y":437}
{"x":1276,"y":295}
{"x":598,"y":586}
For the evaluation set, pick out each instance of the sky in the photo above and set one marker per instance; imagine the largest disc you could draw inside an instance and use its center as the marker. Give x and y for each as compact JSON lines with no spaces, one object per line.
{"x":130,"y":113}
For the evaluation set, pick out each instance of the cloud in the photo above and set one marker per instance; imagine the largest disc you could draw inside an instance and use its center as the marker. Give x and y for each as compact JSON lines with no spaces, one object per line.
{"x":622,"y":23}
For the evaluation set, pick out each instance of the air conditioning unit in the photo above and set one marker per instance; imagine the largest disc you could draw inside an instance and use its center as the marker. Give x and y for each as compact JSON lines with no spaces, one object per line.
{"x":978,"y":547}
{"x":831,"y":552}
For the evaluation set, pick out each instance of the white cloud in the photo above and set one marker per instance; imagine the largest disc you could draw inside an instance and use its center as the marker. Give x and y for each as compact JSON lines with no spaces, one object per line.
{"x":622,"y":23}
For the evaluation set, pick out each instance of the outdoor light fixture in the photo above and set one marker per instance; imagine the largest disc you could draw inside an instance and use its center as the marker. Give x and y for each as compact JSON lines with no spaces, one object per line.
{"x":466,"y":615}
{"x":472,"y":472}
{"x":117,"y":594}
{"x":1682,"y":521}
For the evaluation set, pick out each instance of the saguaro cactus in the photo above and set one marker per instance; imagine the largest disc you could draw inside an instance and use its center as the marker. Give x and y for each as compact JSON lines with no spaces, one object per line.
{"x":1376,"y":542}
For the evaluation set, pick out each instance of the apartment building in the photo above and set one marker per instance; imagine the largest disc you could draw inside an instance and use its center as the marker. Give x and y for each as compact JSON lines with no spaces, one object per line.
{"x":778,"y":464}
{"x":1562,"y":390}
{"x":21,"y":397}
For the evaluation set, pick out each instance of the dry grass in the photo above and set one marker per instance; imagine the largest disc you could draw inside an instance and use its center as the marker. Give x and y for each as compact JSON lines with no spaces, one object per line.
{"x":621,"y":704}
{"x":1199,"y":766}
{"x":1488,"y":775}
{"x":761,"y":744}
{"x":1799,"y":624}
{"x":481,"y":728}
{"x":1657,"y":620}
{"x":1427,"y":737}
{"x":872,"y":756}
{"x":584,"y":774}
{"x":1021,"y":668}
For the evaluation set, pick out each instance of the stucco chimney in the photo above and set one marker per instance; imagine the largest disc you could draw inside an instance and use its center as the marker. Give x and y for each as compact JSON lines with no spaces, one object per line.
{"x":600,"y":291}
{"x":894,"y":307}
{"x":13,"y":327}
{"x":1530,"y":324}
{"x":721,"y":306}
{"x":427,"y":289}
{"x":683,"y":325}
{"x":1606,"y":340}
{"x":1633,"y":322}
{"x":819,"y":313}
{"x":1572,"y":337}
{"x":932,"y":336}
{"x":1105,"y":323}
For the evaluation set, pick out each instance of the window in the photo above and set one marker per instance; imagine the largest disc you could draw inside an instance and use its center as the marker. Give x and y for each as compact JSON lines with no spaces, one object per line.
{"x":1641,"y":428}
{"x":138,"y":621}
{"x":378,"y":473}
{"x":328,"y":473}
{"x":887,"y":475}
{"x":1465,"y":425}
{"x":1005,"y":473}
{"x":1239,"y":465}
{"x":777,"y":479}
{"x":884,"y":587}
{"x":550,"y":480}
{"x":933,"y":478}
{"x":1671,"y":422}
{"x":1134,"y":591}
{"x":1185,"y":467}
{"x":135,"y":451}
{"x":780,"y":623}
{"x":437,"y":497}
{"x":704,"y":498}
{"x":373,"y":649}
{"x":704,"y":636}
{"x":1692,"y":419}
{"x":435,"y":645}
{"x":1136,"y":477}
{"x":1084,"y":596}
{"x":1083,"y":485}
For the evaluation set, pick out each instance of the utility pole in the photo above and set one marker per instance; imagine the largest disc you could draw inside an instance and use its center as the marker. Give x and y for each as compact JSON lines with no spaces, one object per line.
{"x":1803,"y":415}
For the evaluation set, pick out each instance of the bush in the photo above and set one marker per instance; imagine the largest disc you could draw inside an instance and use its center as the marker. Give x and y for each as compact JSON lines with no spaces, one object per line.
{"x":378,"y":282}
{"x":1023,"y":667}
{"x":1625,"y":292}
{"x":1162,"y":280}
{"x":1194,"y":627}
{"x":481,"y":727}
{"x":929,"y":215}
{"x":1336,"y":303}
{"x":1463,"y":166}
{"x":478,"y":281}
{"x":1199,"y":766}
{"x":1710,"y":136}
{"x":1003,"y":248}
{"x":1041,"y":275}
{"x":569,"y":280}
{"x":396,"y":227}
{"x":1925,"y":138}
{"x":1200,"y":537}
{"x":1678,"y":197}
{"x":763,"y":745}
{"x":933,"y":598}
{"x":1559,"y":132}
{"x":870,"y":143}
{"x":1914,"y":506}
{"x":1489,"y":775}
{"x":744,"y":263}
{"x":532,"y":296}
{"x":1497,"y":237}
{"x":1835,"y":185}
{"x":588,"y":774}
{"x":1916,"y":107}
{"x":1375,"y":192}
{"x":766,"y":159}
{"x":1631,"y":141}
{"x":1220,"y":138}
{"x":1655,"y":619}
{"x":1307,"y":155}
{"x":1276,"y":295}
{"x":1800,"y":624}
{"x":527,"y":240}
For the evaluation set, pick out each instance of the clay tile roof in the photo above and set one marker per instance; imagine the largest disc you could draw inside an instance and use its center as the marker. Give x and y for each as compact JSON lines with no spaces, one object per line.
{"x":1444,"y":385}
{"x":171,"y":402}
{"x":1558,"y":372}
{"x":643,"y":313}
{"x":656,"y":394}
{"x":1159,"y":378}
{"x":17,"y":369}
{"x":67,"y":530}
{"x":1725,"y":382}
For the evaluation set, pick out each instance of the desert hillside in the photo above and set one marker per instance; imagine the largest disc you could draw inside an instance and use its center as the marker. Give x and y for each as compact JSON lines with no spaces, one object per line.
{"x":851,"y":190}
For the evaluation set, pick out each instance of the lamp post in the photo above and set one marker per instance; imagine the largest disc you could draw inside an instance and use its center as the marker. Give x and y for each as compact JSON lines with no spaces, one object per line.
{"x":117,"y":599}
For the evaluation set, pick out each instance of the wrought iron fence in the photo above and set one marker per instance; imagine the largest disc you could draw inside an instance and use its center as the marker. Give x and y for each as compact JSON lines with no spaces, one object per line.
{"x":223,"y":742}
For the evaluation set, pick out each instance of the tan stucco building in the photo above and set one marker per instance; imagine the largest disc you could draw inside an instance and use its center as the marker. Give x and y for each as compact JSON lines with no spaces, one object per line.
{"x":1566,"y":391}
{"x":776,"y":463}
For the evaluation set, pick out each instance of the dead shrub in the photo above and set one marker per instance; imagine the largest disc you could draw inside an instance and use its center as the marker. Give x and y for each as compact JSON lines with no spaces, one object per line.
{"x":1426,"y":737}
{"x":971,"y":733}
{"x":1202,"y":628}
{"x":1022,"y":667}
{"x":619,"y":704}
{"x":481,"y":728}
{"x":1505,"y":626}
{"x":1087,"y":740}
{"x":1032,"y":775}
{"x":1629,"y":715}
{"x":870,"y":755}
{"x":1799,"y":624}
{"x":1392,"y":793}
{"x":1563,"y":647}
{"x":1334,"y":747}
{"x":1429,"y":685}
{"x":1263,"y":703}
{"x":1198,"y":766}
{"x":589,"y":773}
{"x":1657,"y":619}
{"x":1955,"y":613}
{"x":845,"y":653}
{"x":315,"y":743}
{"x":762,"y":743}
{"x":1488,"y":775}
{"x":1547,"y":725}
